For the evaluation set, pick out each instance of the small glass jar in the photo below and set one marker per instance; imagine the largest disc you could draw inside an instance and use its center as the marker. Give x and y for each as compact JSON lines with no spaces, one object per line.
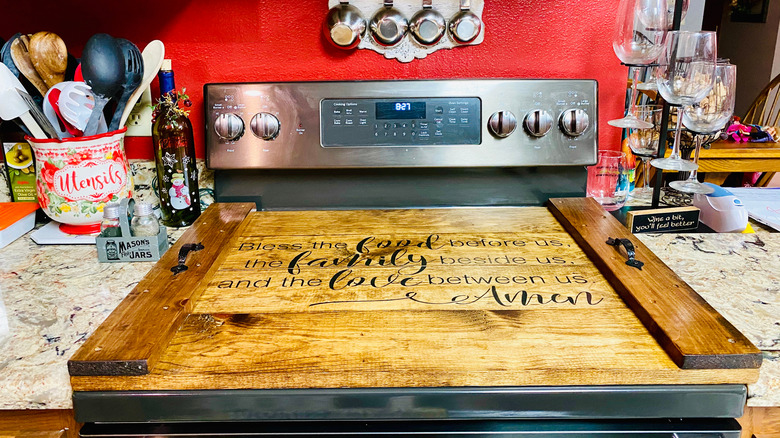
{"x":109,"y":226}
{"x":144,"y":221}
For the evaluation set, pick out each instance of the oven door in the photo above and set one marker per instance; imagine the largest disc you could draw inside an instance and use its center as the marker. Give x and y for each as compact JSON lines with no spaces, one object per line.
{"x":709,"y":428}
{"x":671,"y":411}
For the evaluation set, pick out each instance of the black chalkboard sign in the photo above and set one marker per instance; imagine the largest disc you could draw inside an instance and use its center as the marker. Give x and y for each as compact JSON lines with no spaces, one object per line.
{"x":662,"y":220}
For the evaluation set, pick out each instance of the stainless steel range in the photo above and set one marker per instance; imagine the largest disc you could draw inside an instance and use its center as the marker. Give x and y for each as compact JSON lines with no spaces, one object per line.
{"x":400,"y":143}
{"x":392,"y":144}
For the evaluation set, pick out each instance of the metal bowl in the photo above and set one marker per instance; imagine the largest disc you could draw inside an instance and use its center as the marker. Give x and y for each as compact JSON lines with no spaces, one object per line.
{"x":465,"y":27}
{"x":427,"y":26}
{"x":344,"y":26}
{"x":388,"y":26}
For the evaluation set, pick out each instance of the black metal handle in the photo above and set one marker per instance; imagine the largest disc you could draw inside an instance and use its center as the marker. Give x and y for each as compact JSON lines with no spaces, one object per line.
{"x":183,"y":252}
{"x":629,"y":251}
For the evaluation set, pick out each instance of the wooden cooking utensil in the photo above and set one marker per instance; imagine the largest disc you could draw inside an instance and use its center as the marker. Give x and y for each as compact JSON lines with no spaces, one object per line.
{"x":21,"y":56}
{"x":9,"y":62}
{"x":49,"y":56}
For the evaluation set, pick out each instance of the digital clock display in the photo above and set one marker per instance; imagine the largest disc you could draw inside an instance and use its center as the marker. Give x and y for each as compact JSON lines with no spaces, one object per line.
{"x":400,"y":110}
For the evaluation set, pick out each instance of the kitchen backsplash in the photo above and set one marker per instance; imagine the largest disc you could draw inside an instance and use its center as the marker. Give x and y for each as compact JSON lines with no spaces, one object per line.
{"x":248,"y":41}
{"x":145,"y":182}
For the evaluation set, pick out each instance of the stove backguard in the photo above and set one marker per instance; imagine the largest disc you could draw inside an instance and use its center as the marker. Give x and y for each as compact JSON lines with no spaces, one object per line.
{"x":400,"y":144}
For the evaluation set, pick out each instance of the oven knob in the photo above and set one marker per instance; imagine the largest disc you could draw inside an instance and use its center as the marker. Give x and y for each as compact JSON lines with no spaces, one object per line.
{"x":502,"y":123}
{"x":229,"y":126}
{"x":538,"y":122}
{"x":265,"y":126}
{"x":574,"y":122}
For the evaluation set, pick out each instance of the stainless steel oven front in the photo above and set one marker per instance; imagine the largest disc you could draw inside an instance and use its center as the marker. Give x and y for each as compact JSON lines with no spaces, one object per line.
{"x":371,"y":144}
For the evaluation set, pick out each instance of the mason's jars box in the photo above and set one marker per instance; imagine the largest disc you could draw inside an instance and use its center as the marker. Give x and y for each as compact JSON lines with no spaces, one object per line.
{"x":128,"y":248}
{"x":132,"y":249}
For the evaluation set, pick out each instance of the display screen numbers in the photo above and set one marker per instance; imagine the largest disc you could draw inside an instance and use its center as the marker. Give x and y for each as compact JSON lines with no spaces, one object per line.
{"x":394,"y":109}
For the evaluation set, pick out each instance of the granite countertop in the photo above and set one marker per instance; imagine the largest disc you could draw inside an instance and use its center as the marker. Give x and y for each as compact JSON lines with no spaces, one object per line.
{"x":53,"y":297}
{"x":738,"y":275}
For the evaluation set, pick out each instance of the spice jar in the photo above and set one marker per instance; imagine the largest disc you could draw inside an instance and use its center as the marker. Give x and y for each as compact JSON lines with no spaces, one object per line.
{"x":109,"y":226}
{"x":144,"y":221}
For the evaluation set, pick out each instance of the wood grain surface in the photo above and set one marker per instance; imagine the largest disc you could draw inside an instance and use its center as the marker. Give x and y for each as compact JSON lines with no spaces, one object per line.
{"x":21,"y":57}
{"x":761,"y":422}
{"x":438,"y":348}
{"x":38,"y":423}
{"x":28,"y":434}
{"x":447,"y":297}
{"x":317,"y":274}
{"x":463,"y":221}
{"x":727,"y":157}
{"x":137,"y":331}
{"x":693,"y":333}
{"x":741,"y":164}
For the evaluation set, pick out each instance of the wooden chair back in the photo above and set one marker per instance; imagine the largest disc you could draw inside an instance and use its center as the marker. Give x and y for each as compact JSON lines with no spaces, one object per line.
{"x":762,"y":113}
{"x":765,"y":110}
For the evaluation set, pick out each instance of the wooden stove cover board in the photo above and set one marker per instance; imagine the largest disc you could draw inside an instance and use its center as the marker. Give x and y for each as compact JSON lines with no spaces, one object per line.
{"x":434,"y":298}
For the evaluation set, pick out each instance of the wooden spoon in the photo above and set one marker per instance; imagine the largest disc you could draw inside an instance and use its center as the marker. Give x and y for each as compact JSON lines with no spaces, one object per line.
{"x":21,"y":56}
{"x":49,"y":56}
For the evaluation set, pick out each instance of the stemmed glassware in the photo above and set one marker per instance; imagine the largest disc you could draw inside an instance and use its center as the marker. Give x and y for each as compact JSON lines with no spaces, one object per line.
{"x":670,"y":4}
{"x":685,"y":75}
{"x":707,"y":117}
{"x":644,"y":144}
{"x":638,"y":40}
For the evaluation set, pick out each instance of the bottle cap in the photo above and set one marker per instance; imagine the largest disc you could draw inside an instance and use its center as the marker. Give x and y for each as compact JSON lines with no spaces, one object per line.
{"x":111,"y":211}
{"x":143,"y":209}
{"x":166,"y":65}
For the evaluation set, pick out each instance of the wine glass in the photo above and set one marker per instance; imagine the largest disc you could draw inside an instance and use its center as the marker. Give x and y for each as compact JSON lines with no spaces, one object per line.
{"x":685,"y":74}
{"x":638,"y":40}
{"x":644,"y":144}
{"x":648,"y":85}
{"x":650,"y":70}
{"x":670,"y":4}
{"x":707,"y":117}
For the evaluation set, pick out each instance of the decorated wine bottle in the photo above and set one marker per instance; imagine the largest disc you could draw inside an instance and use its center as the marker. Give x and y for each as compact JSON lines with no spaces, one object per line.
{"x":174,"y":152}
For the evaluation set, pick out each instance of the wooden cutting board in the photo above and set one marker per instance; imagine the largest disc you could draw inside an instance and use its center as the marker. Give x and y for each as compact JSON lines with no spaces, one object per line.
{"x":425,"y":298}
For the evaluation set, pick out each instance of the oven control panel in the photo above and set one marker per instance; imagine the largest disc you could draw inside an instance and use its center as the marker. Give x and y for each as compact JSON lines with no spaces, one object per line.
{"x":400,"y":122}
{"x":436,"y":123}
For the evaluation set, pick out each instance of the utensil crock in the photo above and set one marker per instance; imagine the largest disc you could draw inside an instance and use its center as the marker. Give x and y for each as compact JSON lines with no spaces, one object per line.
{"x":76,"y":177}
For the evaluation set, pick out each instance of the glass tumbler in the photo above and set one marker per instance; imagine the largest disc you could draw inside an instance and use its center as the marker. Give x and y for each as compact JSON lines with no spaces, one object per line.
{"x":608,"y":180}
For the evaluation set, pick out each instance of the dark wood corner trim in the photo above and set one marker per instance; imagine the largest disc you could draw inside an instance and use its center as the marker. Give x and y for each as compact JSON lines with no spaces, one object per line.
{"x":693,"y":334}
{"x":131,"y":339}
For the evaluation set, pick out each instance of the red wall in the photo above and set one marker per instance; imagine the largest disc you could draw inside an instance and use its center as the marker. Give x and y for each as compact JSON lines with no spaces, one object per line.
{"x":264,"y":40}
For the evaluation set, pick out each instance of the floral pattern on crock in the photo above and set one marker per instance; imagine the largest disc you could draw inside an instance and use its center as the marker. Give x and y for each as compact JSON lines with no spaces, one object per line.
{"x":76,"y":184}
